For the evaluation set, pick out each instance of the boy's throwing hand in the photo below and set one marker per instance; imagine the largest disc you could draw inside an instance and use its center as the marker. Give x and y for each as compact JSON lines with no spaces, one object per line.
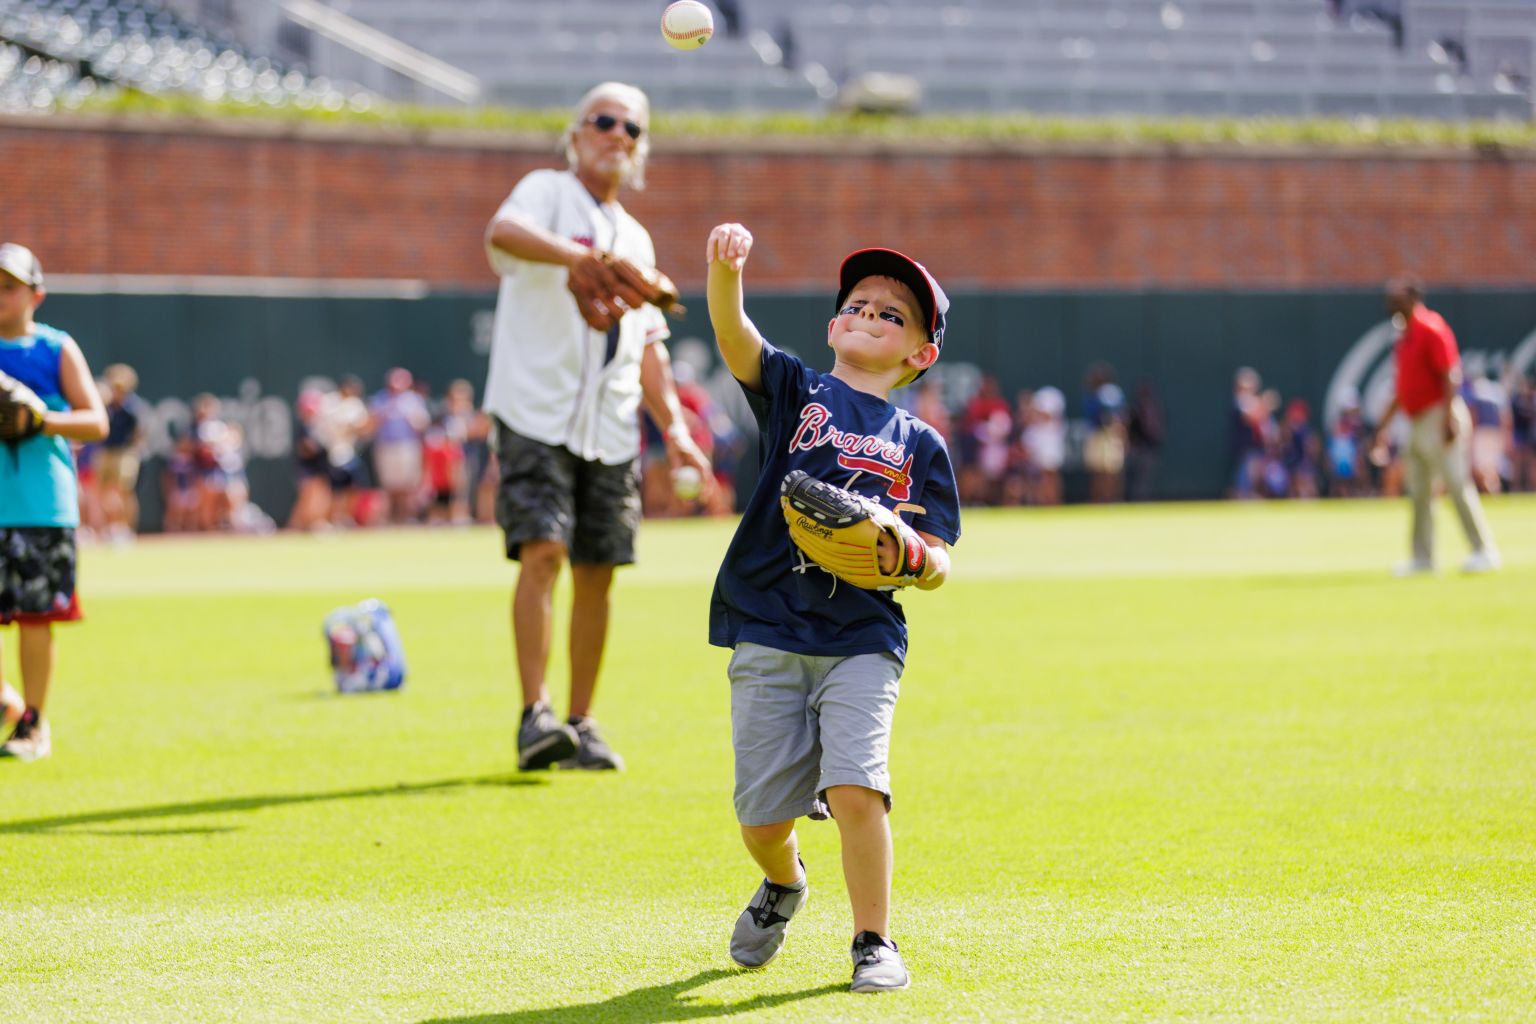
{"x":728,"y":244}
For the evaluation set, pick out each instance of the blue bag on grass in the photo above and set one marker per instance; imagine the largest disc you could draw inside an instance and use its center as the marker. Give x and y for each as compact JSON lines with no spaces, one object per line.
{"x":365,"y":648}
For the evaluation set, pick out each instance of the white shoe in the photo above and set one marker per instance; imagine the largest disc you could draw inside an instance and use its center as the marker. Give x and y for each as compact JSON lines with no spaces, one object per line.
{"x":1414,"y":567}
{"x":30,"y":740}
{"x":877,"y":965}
{"x":1486,"y":560}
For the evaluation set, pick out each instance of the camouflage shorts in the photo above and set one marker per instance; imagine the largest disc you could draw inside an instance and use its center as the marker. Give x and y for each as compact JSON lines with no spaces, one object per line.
{"x":548,"y":493}
{"x":37,"y":574}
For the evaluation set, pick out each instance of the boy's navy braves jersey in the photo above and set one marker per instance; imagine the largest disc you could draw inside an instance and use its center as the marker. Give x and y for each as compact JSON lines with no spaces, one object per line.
{"x":766,"y":592}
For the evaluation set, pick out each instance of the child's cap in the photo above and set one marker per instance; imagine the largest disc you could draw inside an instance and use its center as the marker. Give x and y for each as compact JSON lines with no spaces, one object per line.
{"x":18,"y":261}
{"x":890,"y":263}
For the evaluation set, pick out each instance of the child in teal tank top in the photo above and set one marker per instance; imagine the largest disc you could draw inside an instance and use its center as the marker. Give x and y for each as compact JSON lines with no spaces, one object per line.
{"x":39,"y":495}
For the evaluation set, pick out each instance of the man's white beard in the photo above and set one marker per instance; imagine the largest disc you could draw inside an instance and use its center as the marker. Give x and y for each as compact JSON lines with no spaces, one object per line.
{"x":624,"y":164}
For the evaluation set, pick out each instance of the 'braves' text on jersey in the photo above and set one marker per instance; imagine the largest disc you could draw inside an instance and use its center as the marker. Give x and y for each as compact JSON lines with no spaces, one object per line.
{"x":766,"y":592}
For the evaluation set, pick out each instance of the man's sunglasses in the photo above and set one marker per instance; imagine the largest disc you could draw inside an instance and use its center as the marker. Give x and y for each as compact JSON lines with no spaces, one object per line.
{"x":605,"y":122}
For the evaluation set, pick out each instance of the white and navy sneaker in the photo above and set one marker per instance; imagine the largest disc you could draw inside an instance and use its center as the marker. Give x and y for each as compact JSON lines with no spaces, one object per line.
{"x":29,"y":741}
{"x":877,"y":965}
{"x":760,"y":930}
{"x":542,"y":739}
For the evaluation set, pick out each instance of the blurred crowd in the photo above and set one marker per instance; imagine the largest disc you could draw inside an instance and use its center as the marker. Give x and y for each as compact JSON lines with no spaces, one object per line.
{"x":1017,"y":452}
{"x":1279,"y":449}
{"x":203,"y":477}
{"x":109,"y":469}
{"x":403,"y":455}
{"x":397,"y":456}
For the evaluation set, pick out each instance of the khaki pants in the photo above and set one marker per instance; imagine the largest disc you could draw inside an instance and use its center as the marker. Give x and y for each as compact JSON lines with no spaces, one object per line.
{"x":1429,"y":457}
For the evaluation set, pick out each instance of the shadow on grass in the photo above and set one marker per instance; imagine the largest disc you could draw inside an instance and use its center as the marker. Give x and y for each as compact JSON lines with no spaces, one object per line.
{"x":655,"y":1004}
{"x":238,"y":804}
{"x":136,"y":833}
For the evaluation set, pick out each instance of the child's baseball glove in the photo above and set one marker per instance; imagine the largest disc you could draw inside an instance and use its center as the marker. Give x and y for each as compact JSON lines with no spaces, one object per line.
{"x":607,"y":286}
{"x":840,"y":531}
{"x":21,"y":411}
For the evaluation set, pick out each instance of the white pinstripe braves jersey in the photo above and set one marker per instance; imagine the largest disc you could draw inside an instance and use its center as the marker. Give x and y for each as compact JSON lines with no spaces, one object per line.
{"x":553,"y":378}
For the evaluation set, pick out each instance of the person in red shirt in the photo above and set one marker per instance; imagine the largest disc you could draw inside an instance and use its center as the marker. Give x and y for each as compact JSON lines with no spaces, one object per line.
{"x":1439,"y":441}
{"x":443,"y":466}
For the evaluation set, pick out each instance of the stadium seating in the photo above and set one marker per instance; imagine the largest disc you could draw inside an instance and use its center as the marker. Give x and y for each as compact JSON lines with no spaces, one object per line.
{"x":1456,"y":59}
{"x":1178,"y":57}
{"x":29,"y":82}
{"x":1431,"y":58}
{"x":548,"y":54}
{"x":70,"y":49}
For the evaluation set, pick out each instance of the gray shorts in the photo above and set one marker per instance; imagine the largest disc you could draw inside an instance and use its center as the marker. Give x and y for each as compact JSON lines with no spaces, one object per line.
{"x":801,"y":724}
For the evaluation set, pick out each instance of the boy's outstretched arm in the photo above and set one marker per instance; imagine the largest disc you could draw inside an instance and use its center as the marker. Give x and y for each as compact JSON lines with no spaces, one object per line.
{"x":741,"y":346}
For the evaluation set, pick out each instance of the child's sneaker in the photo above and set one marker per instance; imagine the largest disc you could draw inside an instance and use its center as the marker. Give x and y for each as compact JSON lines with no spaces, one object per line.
{"x":759,"y":932}
{"x":877,"y":966}
{"x":543,"y":739}
{"x":592,"y":751}
{"x":30,"y":740}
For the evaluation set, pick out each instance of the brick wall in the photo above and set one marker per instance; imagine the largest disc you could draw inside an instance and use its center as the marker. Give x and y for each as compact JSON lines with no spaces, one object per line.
{"x":111,"y":197}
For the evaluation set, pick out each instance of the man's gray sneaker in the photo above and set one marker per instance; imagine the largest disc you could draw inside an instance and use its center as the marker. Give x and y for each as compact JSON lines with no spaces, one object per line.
{"x":592,"y":751}
{"x":543,"y":739}
{"x":877,"y":966}
{"x":759,"y":932}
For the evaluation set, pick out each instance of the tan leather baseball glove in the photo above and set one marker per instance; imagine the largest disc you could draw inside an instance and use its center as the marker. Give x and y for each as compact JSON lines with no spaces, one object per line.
{"x":606,"y":287}
{"x":840,"y":531}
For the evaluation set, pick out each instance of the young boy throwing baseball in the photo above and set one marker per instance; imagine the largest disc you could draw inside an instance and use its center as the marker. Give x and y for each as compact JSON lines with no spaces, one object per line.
{"x":47,"y":399}
{"x":804,"y":593}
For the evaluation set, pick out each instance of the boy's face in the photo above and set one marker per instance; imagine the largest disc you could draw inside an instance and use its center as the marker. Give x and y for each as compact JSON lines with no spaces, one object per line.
{"x":880,"y":327}
{"x":17,"y":300}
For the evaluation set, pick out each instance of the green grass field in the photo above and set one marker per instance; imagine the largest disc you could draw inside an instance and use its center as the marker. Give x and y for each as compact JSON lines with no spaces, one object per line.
{"x":1196,"y":763}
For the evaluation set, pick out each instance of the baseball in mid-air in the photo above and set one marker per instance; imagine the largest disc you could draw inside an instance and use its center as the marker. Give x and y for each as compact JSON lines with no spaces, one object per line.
{"x":687,"y":482}
{"x":687,"y":25}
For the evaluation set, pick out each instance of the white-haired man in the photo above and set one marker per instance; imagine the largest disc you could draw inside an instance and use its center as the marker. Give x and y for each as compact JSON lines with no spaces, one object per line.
{"x":565,"y":392}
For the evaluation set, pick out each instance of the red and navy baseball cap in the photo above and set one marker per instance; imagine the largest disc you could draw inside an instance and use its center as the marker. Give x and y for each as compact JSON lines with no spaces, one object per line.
{"x":890,"y":263}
